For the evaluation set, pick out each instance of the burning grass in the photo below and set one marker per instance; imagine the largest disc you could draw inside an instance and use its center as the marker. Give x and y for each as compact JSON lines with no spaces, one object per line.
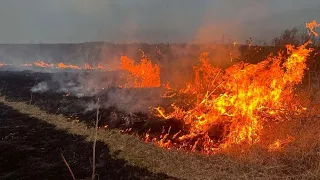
{"x":220,"y":109}
{"x":64,"y":66}
{"x":229,"y":107}
{"x":40,"y":63}
{"x":144,"y":74}
{"x":61,"y":65}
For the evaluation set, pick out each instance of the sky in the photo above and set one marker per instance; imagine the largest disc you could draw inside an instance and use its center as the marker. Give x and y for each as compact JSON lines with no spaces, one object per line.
{"x":72,"y":21}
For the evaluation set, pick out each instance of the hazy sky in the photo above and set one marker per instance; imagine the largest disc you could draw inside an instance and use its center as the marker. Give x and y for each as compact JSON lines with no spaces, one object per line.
{"x":33,"y":21}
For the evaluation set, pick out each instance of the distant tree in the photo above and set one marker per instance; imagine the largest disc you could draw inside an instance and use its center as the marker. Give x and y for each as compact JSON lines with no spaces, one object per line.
{"x":287,"y":37}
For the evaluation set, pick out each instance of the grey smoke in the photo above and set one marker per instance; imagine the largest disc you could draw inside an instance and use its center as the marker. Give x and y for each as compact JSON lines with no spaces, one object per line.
{"x":40,"y":87}
{"x":124,"y":99}
{"x":134,"y":99}
{"x":91,"y":106}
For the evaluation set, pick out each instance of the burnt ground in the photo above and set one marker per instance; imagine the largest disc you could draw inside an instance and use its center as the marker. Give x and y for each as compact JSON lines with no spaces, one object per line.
{"x":31,"y":149}
{"x":16,"y":87}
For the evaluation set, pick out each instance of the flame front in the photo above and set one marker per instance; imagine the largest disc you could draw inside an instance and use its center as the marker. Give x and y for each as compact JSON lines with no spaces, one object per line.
{"x":63,"y":66}
{"x":228,"y":107}
{"x":40,"y":63}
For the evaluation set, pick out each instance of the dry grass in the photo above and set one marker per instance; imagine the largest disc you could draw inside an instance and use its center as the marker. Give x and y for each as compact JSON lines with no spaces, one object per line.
{"x":298,"y":160}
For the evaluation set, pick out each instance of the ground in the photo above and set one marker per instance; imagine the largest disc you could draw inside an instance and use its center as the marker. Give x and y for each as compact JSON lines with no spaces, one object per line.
{"x":31,"y":148}
{"x":34,"y":135}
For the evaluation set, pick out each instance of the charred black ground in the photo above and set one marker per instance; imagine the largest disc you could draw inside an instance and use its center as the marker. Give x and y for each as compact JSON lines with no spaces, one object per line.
{"x":16,"y":87}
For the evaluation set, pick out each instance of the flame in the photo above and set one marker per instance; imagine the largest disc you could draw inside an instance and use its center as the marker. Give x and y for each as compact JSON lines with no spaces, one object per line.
{"x":63,"y":66}
{"x":220,"y":108}
{"x":144,"y":74}
{"x":100,"y":67}
{"x":40,"y":63}
{"x":311,"y":26}
{"x":1,"y":64}
{"x":279,"y":144}
{"x":87,"y":66}
{"x":235,"y":100}
{"x":26,"y":65}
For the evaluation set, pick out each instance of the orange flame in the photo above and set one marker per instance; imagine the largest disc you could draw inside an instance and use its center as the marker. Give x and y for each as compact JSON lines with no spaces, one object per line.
{"x":221,"y":108}
{"x":311,"y":26}
{"x":235,"y":99}
{"x":1,"y":64}
{"x":87,"y":66}
{"x":26,"y":65}
{"x":63,"y":66}
{"x":40,"y":63}
{"x":279,"y":144}
{"x":144,"y":74}
{"x":100,"y":66}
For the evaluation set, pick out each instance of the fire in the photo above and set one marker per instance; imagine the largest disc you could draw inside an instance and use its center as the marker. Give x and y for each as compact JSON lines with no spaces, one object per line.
{"x":311,"y":26}
{"x":221,"y":108}
{"x":1,"y":64}
{"x":63,"y":66}
{"x":27,"y":65}
{"x":100,"y":67}
{"x":278,"y":144}
{"x":40,"y":63}
{"x":144,"y":74}
{"x":87,"y":66}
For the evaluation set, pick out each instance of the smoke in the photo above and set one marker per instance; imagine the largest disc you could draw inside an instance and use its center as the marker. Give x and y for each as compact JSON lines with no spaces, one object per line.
{"x":220,"y":30}
{"x":90,"y":85}
{"x":78,"y":84}
{"x":41,"y":87}
{"x":133,"y":99}
{"x":91,"y":106}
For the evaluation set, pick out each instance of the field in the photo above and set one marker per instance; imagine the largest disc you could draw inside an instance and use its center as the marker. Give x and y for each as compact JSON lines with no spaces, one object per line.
{"x":37,"y":128}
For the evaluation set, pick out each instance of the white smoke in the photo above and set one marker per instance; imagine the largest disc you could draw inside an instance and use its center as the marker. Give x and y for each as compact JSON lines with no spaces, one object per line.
{"x":133,"y":100}
{"x":40,"y":87}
